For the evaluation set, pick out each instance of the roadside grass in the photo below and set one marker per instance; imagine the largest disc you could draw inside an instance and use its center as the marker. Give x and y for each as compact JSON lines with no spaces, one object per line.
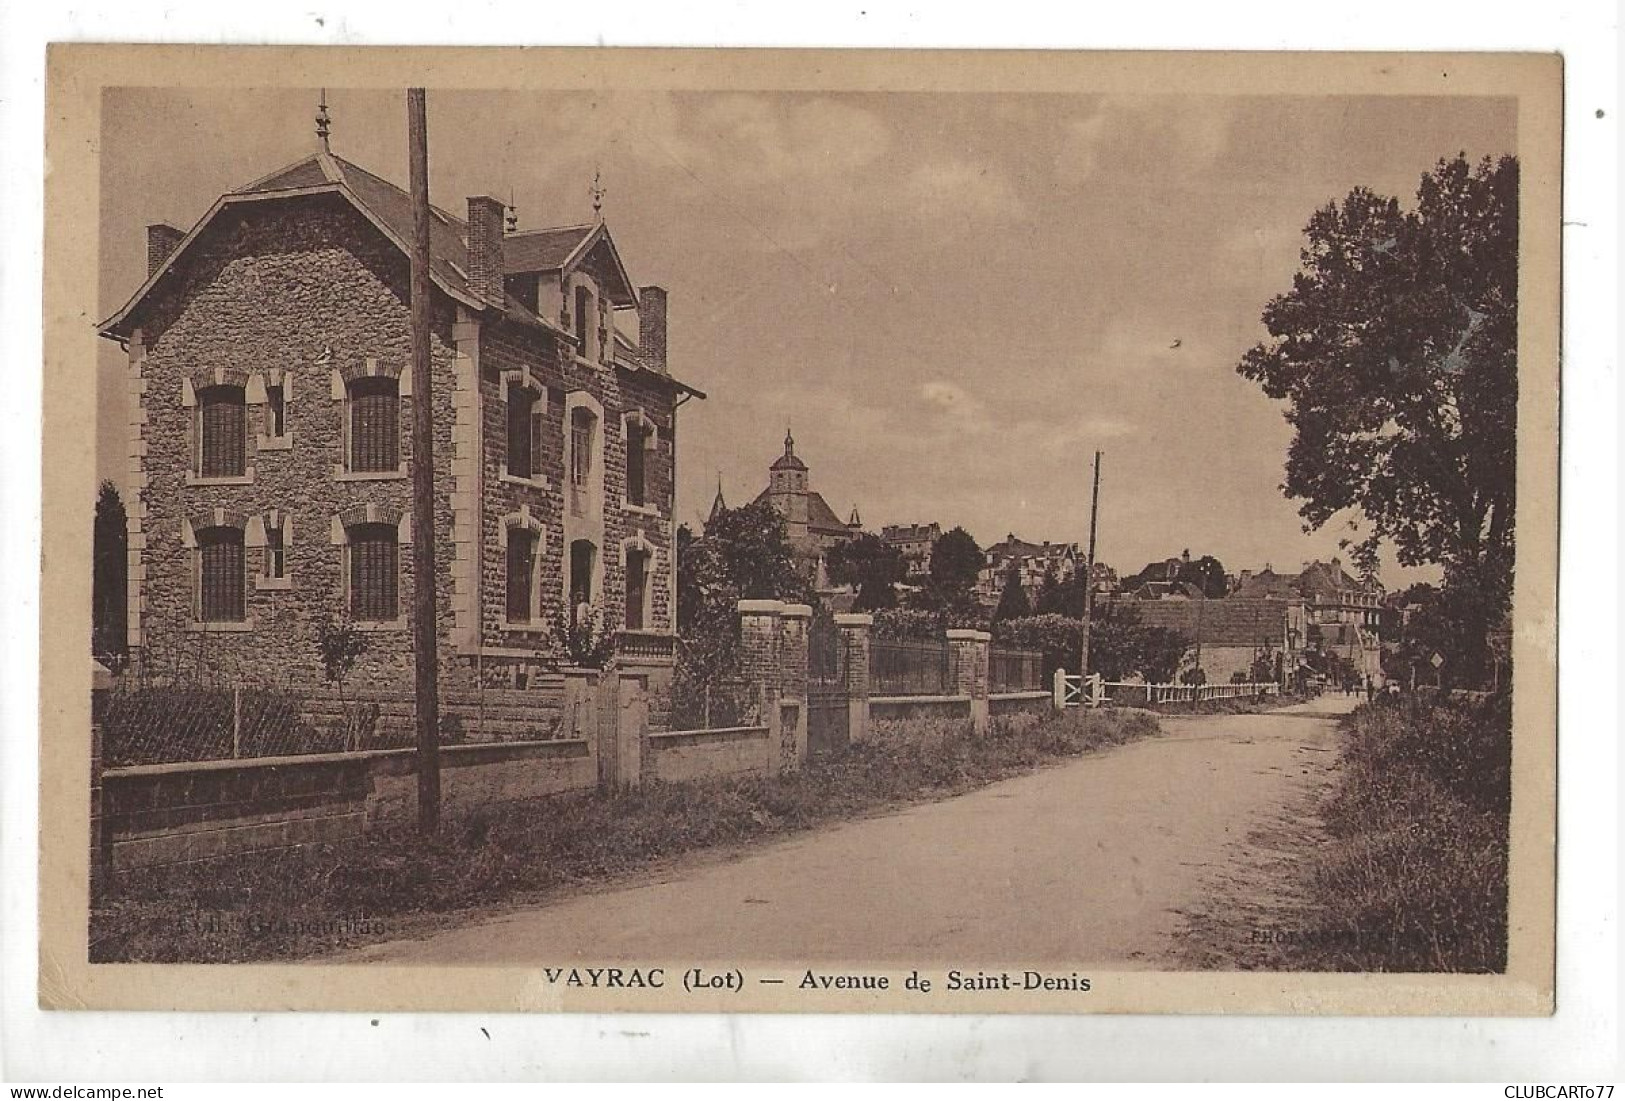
{"x":1407,"y":870}
{"x":301,"y":902}
{"x":1239,"y":705}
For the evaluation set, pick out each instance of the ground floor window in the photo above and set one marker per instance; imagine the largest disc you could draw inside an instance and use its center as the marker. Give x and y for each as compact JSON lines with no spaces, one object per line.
{"x":375,"y":561}
{"x":521,"y":574}
{"x":220,"y":575}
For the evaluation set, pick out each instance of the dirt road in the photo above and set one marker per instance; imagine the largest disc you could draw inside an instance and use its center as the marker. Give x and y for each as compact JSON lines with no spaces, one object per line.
{"x":1087,"y":862}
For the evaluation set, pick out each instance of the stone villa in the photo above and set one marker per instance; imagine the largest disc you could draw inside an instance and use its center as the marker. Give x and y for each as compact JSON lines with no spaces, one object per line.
{"x":270,"y":445}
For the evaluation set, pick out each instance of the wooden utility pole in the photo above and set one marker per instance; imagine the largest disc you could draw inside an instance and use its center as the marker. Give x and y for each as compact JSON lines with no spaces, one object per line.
{"x":426,"y":663}
{"x":1089,"y":576}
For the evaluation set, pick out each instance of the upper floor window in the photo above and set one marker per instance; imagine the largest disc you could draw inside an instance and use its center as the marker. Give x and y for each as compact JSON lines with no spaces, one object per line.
{"x":221,"y":429}
{"x":375,"y":564}
{"x":583,"y":425}
{"x":220,"y":575}
{"x":638,"y":439}
{"x":525,"y":409}
{"x":276,"y":564}
{"x":276,"y":411}
{"x":375,"y":425}
{"x":586,"y":321}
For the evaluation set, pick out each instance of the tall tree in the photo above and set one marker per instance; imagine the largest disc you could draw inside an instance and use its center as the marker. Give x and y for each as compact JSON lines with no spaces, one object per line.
{"x":956,"y":563}
{"x":1207,"y":574}
{"x":1396,"y":352}
{"x":1013,"y":603}
{"x":869,"y":566}
{"x":109,"y":574}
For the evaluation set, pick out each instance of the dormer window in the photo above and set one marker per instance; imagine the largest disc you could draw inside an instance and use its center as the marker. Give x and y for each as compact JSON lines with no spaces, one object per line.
{"x":586,"y":321}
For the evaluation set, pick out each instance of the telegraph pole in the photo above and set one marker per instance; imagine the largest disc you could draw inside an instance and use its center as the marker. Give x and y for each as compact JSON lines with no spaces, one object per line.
{"x":1089,"y":575}
{"x":426,"y":662}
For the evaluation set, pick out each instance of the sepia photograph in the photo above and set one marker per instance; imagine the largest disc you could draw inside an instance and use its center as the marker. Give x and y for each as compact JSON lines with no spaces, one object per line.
{"x":691,"y":537}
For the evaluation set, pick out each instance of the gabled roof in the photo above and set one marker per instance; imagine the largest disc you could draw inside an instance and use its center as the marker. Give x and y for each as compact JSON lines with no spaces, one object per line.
{"x":1230,"y":622}
{"x":565,"y":248}
{"x":388,"y":207}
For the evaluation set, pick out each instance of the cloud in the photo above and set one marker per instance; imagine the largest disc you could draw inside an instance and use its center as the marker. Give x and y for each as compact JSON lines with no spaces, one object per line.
{"x":1154,"y":137}
{"x":956,"y":407}
{"x":944,"y":190}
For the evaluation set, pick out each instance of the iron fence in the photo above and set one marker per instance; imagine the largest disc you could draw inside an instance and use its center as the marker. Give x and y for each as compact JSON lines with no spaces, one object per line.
{"x":902,"y":668}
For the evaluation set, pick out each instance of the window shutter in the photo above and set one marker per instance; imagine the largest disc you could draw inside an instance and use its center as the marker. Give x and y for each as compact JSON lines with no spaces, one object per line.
{"x":374,"y":572}
{"x":222,"y":416}
{"x":375,"y":434}
{"x":221,"y":575}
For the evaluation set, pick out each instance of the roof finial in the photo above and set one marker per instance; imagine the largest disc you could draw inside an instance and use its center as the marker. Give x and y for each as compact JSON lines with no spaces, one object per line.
{"x":513,"y":213}
{"x":324,"y":124}
{"x":598,"y":192}
{"x":789,"y":442}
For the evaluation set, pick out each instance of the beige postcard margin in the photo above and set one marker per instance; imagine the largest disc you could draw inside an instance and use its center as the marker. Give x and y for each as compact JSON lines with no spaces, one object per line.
{"x":77,"y":74}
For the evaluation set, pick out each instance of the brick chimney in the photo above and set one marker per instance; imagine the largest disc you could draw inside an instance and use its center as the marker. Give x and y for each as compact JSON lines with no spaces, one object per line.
{"x":485,"y":271}
{"x":652,"y":326}
{"x":162,"y":241}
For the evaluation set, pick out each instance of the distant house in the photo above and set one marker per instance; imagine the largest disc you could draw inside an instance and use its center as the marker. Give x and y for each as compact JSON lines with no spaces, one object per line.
{"x":1228,"y":636}
{"x":915,"y":543}
{"x":1342,"y":615}
{"x":1032,"y":561}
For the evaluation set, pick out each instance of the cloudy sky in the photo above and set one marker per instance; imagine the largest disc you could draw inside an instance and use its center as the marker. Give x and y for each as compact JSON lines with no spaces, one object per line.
{"x":953,"y":298}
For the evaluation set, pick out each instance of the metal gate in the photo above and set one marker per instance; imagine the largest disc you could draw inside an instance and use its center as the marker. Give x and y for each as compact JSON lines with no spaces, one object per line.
{"x":829,"y":727}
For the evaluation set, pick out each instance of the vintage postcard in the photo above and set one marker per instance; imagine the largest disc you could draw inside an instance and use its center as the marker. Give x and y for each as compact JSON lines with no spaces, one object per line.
{"x":800,"y":531}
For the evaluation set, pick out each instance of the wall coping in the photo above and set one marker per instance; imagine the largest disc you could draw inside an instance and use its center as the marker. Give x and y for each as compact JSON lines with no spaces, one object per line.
{"x":923,"y":699}
{"x":796,"y":611}
{"x":1031,"y":694}
{"x":963,"y":634}
{"x":222,"y":764}
{"x":854,"y":619}
{"x":761,"y":607}
{"x":658,"y":735}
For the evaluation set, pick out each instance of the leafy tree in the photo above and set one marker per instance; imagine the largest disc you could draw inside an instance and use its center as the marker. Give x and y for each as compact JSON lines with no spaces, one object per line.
{"x":1206,"y":573}
{"x":109,"y":578}
{"x":744,"y":555}
{"x":956,"y":563}
{"x":1396,"y":352}
{"x":871,"y":567}
{"x":1013,"y":599}
{"x":1120,"y":646}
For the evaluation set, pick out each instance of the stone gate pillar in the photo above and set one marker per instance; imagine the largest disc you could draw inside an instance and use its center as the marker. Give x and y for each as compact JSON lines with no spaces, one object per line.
{"x":794,"y":622}
{"x":760,"y":665}
{"x":854,"y":628}
{"x":969,"y":654}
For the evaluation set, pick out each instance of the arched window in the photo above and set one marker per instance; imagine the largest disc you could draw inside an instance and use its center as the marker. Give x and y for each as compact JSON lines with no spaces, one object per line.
{"x":221,"y":429}
{"x":375,"y":568}
{"x":375,"y":425}
{"x":220,"y":575}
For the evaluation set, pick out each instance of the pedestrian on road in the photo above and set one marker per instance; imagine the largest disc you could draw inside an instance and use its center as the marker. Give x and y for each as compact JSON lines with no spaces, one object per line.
{"x":1370,"y":689}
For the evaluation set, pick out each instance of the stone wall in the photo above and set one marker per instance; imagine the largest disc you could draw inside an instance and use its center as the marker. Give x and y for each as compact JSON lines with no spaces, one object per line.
{"x":269,"y":293}
{"x":307,"y":295}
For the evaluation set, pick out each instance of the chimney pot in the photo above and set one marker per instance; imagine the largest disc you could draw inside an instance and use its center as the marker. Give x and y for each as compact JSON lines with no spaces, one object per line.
{"x":485,"y":261}
{"x":652,"y":326}
{"x":162,"y":241}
